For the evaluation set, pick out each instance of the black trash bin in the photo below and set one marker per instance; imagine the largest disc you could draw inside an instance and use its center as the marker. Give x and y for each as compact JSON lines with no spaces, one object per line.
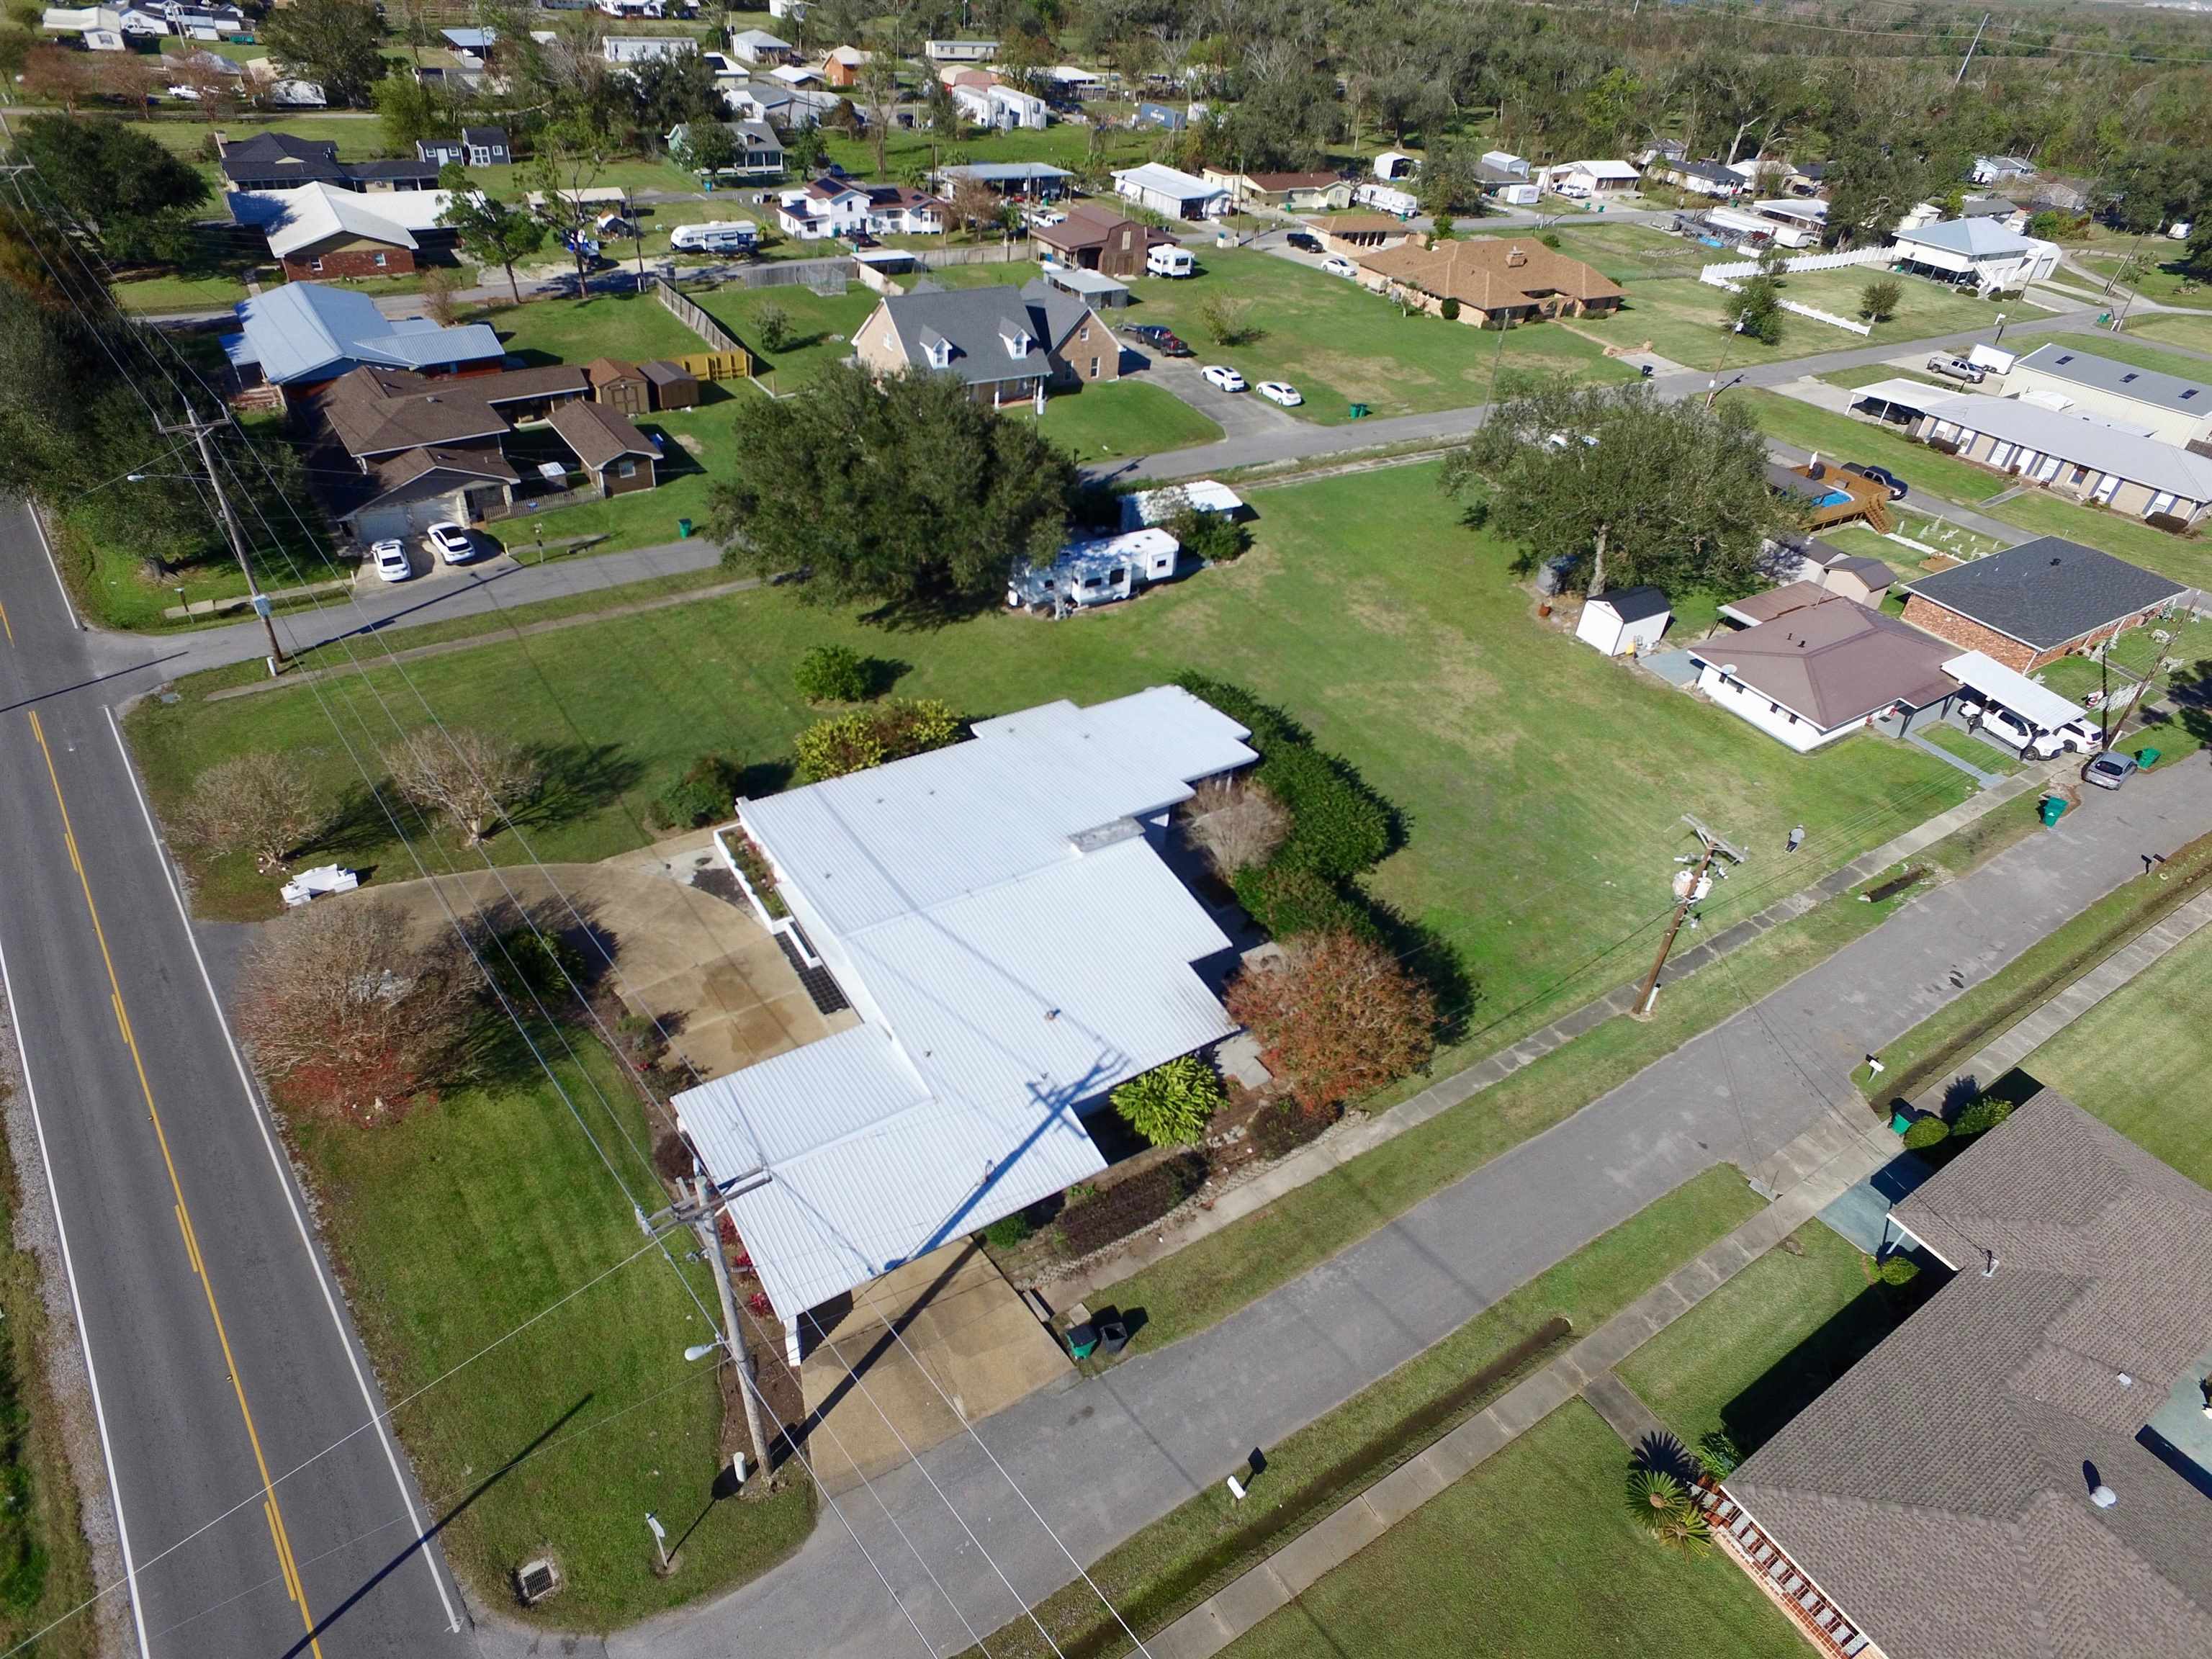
{"x":1113,"y":1337}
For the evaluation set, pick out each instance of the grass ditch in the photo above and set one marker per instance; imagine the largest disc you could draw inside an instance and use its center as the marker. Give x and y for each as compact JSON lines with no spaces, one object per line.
{"x":1172,"y":1565}
{"x":1934,"y":1048}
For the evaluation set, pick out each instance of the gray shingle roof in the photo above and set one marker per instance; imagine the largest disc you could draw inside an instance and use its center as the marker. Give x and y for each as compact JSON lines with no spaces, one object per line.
{"x":2046,"y":592}
{"x":2086,"y":369}
{"x":1939,"y":1493}
{"x":978,"y":322}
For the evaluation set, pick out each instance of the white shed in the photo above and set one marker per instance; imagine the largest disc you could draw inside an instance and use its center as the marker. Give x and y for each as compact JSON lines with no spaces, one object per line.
{"x":1395,"y":164}
{"x":1625,"y":620}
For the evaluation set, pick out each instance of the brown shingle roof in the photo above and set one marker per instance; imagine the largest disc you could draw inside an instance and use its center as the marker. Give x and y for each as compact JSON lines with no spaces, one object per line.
{"x":1939,"y":1492}
{"x":1781,"y":601}
{"x":514,"y":384}
{"x":1490,"y":274}
{"x":1836,"y":662}
{"x":602,"y":370}
{"x":1087,"y":226}
{"x":1273,"y":182}
{"x":381,"y":411}
{"x":599,"y":435}
{"x":403,"y":469}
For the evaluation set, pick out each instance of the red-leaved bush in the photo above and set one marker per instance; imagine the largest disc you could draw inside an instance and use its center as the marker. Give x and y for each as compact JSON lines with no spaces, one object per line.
{"x":1336,"y":1018}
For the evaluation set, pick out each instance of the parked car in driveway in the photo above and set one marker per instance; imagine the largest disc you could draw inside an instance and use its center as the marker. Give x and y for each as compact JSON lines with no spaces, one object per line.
{"x":1279,"y":392}
{"x":391,"y":560}
{"x":1897,"y":488}
{"x":2109,"y":770}
{"x":1957,"y":368}
{"x":450,"y":542}
{"x":1222,"y":377}
{"x":2008,"y":729}
{"x":1165,"y":341}
{"x":1304,"y":241}
{"x":1337,"y":265}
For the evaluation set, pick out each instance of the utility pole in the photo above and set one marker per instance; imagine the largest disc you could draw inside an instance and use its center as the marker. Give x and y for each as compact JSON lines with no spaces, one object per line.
{"x":1691,"y":891}
{"x":199,"y":430}
{"x":748,"y":1374}
{"x":1969,"y":57}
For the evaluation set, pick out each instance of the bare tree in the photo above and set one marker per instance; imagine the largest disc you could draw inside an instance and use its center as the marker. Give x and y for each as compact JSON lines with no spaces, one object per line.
{"x":1228,"y":319}
{"x":975,"y":203}
{"x":472,"y":777}
{"x":1237,"y":824}
{"x":257,"y":803}
{"x":343,"y":1010}
{"x":442,"y":295}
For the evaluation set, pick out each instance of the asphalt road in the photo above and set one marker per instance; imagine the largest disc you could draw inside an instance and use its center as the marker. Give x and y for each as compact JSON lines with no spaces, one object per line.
{"x":263,"y":1509}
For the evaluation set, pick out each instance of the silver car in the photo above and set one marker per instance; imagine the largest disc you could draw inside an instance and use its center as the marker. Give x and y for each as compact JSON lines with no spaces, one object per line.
{"x":2109,"y":770}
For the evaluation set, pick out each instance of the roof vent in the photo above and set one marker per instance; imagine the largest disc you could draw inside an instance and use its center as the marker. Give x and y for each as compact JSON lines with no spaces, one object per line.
{"x":1989,"y":1264}
{"x":2104,"y":1497}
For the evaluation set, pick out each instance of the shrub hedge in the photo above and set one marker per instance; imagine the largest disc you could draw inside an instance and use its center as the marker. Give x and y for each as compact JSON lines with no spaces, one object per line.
{"x":1130,"y":1206}
{"x":1171,"y":1104}
{"x":706,"y":793}
{"x":890,"y":729}
{"x":833,"y":673}
{"x":1288,"y":899}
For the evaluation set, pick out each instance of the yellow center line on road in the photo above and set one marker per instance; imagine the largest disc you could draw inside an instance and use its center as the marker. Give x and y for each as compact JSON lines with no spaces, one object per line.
{"x":282,"y":1541}
{"x":5,"y":623}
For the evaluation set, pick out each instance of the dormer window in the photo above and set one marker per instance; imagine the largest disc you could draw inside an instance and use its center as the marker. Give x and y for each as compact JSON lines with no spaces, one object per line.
{"x":1018,"y":344}
{"x":940,"y":353}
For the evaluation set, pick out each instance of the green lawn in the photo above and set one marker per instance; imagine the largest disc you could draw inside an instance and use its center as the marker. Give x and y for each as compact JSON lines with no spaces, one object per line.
{"x":820,"y":326}
{"x":1153,"y":1577}
{"x":1337,"y":343}
{"x":172,"y":292}
{"x":1763,"y":1347}
{"x":1973,"y":750}
{"x":1689,"y":321}
{"x":1630,"y":253}
{"x":460,"y":1221}
{"x":1531,"y":1556}
{"x":1125,"y":418}
{"x":2162,"y":278}
{"x":1063,"y":144}
{"x":2138,"y":1059}
{"x":1928,"y":1053}
{"x":2127,"y":349}
{"x":2037,"y":511}
{"x":631,"y":325}
{"x":1867,"y":373}
{"x":2195,"y":332}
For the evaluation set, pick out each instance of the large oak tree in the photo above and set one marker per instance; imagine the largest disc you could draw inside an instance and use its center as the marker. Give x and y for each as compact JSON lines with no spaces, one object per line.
{"x":906,"y":490}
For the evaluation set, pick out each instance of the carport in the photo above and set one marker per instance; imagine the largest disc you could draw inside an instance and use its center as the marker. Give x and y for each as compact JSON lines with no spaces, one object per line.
{"x":2039,"y":706}
{"x":1899,"y":402}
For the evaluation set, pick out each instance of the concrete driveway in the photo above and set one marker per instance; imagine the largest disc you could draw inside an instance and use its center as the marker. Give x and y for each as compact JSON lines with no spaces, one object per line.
{"x":1238,"y":414}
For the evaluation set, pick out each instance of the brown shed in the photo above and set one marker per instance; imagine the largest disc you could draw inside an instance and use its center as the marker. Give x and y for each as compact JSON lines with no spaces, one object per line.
{"x":619,"y":384}
{"x":617,"y":456}
{"x":673,"y":386}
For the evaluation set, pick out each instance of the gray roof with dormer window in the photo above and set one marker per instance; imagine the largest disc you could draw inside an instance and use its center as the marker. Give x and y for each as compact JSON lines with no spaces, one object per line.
{"x":977,"y":323}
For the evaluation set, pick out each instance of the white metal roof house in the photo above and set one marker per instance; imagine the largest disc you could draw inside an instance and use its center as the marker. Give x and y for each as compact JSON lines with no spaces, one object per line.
{"x":1002,"y":108}
{"x":1171,"y":192}
{"x":304,"y":334}
{"x":1000,"y":917}
{"x":2118,"y":465}
{"x":640,"y":48}
{"x":1977,"y":252}
{"x":2177,"y":411}
{"x":1598,"y":178}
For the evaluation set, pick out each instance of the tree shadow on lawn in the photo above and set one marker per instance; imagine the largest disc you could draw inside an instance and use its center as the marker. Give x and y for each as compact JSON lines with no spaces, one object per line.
{"x":1757,"y":1414}
{"x":577,"y":778}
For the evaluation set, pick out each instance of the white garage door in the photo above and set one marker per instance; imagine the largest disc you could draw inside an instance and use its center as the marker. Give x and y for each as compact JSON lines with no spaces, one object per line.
{"x":403,"y":521}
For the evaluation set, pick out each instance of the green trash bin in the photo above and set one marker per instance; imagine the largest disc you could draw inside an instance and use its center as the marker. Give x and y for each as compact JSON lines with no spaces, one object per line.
{"x":1358,"y":411}
{"x":683,"y":529}
{"x":2146,"y":758}
{"x":1900,"y":1122}
{"x":2054,"y":808}
{"x":1081,"y":1339}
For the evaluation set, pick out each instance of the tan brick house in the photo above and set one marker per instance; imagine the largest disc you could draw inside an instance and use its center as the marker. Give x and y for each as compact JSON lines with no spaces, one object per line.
{"x":2033,"y":603}
{"x":1493,"y":281}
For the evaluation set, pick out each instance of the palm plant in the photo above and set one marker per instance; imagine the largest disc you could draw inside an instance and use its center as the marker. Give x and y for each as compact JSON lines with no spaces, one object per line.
{"x":1668,"y":1510}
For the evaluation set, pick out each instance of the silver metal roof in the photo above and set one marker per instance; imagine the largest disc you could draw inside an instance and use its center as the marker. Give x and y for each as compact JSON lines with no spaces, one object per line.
{"x":2147,"y":386}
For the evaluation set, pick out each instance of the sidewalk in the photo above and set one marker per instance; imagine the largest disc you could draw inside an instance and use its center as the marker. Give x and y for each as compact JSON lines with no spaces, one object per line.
{"x":1311,"y":1162}
{"x":1827,"y":1159}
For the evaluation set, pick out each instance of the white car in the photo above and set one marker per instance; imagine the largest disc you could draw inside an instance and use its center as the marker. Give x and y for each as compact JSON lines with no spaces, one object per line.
{"x":391,"y":560}
{"x":2009,"y":731}
{"x":1224,"y":377}
{"x":1337,"y":265}
{"x":1279,"y":392}
{"x":450,"y":542}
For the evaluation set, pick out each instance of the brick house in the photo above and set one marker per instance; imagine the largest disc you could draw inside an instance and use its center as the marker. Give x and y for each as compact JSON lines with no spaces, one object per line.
{"x":1491,"y":282}
{"x":1009,"y":345}
{"x":2031,"y":604}
{"x":319,"y":230}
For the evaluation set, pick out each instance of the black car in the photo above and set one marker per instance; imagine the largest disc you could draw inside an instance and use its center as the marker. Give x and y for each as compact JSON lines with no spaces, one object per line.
{"x":1164,"y":341}
{"x":1881,"y":475}
{"x":1305,"y":241}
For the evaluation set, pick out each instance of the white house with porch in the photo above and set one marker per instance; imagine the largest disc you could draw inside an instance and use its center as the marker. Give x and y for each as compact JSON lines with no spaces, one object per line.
{"x":1000,"y":916}
{"x":1977,"y":253}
